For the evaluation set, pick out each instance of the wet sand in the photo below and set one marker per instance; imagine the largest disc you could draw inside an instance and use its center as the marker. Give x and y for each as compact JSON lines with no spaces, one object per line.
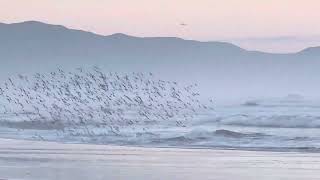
{"x":55,"y":161}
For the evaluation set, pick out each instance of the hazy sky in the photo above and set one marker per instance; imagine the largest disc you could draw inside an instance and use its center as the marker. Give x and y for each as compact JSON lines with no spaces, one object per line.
{"x":269,"y":25}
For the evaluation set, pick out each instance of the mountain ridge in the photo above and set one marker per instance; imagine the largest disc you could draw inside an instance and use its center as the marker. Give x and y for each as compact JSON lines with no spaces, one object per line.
{"x":34,"y":46}
{"x":37,"y":24}
{"x":123,"y":35}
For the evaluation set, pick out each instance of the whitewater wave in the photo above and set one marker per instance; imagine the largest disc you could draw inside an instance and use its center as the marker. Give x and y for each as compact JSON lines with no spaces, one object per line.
{"x":204,"y":134}
{"x":289,"y":112}
{"x":274,"y":121}
{"x":233,"y":134}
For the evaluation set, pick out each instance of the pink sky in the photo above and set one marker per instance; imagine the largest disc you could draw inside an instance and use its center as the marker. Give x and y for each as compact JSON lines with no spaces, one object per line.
{"x":231,"y":20}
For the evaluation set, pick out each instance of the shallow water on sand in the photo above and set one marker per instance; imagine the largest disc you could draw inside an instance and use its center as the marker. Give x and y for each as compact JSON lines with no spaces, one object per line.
{"x":51,"y":161}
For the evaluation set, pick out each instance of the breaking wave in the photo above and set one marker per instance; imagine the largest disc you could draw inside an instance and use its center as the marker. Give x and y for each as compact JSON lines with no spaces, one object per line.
{"x":275,"y":121}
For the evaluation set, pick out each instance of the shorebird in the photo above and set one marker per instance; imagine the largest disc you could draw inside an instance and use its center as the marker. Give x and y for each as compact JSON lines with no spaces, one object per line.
{"x":89,"y":98}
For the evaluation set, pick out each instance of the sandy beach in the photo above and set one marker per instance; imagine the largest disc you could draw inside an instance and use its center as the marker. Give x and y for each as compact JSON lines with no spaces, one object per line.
{"x":54,"y":161}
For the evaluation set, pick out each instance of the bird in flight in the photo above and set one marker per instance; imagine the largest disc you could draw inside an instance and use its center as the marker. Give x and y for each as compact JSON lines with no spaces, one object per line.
{"x":183,"y":24}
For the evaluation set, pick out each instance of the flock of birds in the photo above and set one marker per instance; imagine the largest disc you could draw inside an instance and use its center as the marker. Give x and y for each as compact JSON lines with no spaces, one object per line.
{"x":82,"y":100}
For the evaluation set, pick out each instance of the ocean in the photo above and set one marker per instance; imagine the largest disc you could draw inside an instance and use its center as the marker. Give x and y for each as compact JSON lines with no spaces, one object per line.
{"x":275,"y":124}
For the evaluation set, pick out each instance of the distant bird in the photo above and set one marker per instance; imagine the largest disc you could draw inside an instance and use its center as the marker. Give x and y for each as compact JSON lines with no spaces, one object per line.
{"x":183,"y":24}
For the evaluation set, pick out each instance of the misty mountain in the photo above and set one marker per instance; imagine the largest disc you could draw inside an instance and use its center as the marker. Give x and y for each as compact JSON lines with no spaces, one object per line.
{"x":221,"y":68}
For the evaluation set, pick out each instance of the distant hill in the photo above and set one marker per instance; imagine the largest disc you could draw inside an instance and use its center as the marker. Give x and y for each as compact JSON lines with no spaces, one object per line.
{"x":311,"y":51}
{"x":221,"y":68}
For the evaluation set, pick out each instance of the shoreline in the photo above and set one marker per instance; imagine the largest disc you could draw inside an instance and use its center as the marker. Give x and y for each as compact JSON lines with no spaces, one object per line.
{"x":20,"y":159}
{"x":214,"y":148}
